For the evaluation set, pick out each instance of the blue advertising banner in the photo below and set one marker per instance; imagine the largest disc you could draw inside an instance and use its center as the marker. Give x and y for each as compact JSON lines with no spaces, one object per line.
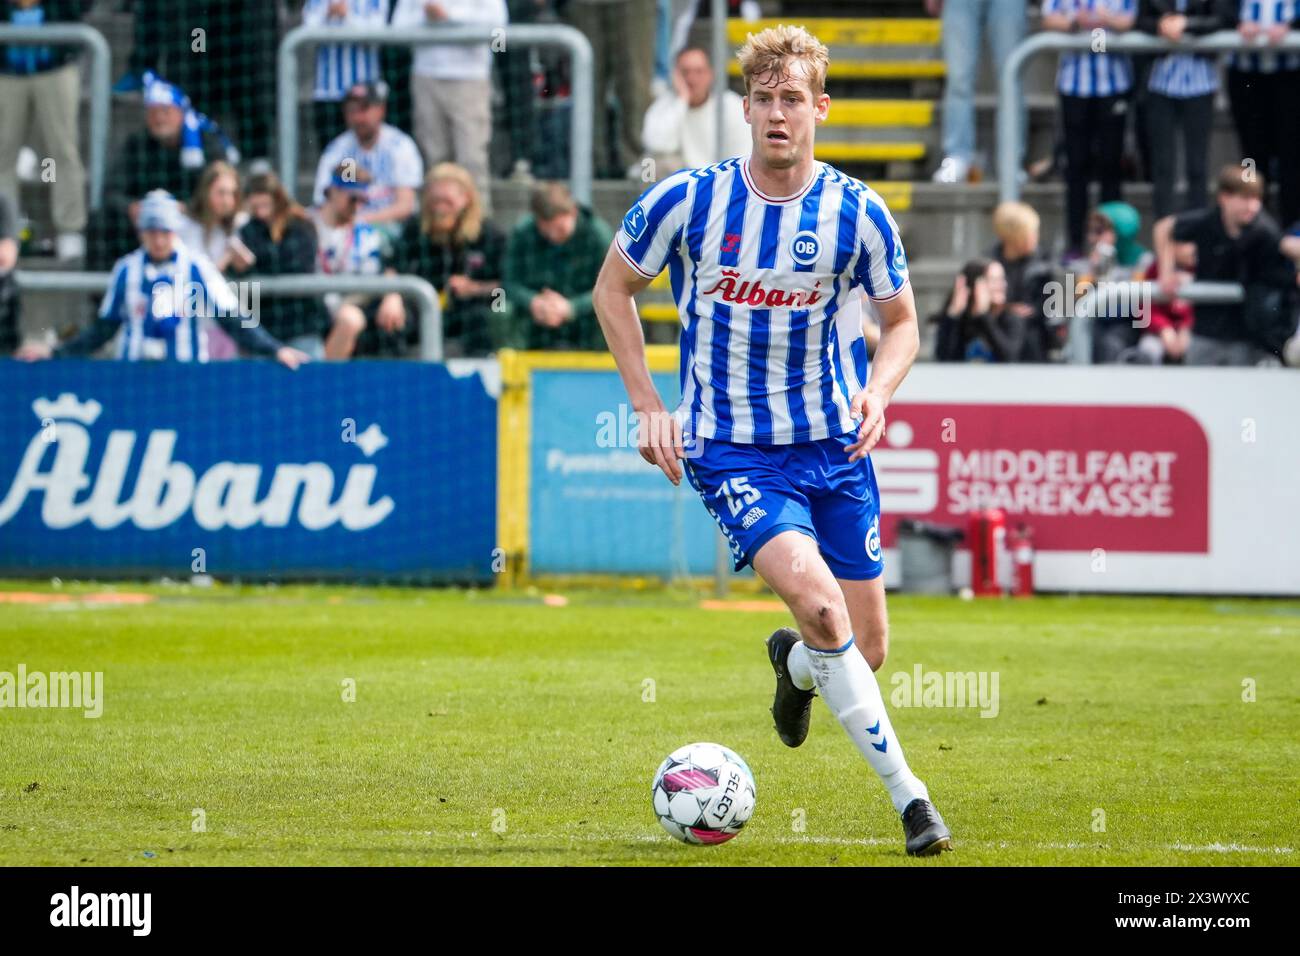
{"x":596,"y":506}
{"x":363,"y":470}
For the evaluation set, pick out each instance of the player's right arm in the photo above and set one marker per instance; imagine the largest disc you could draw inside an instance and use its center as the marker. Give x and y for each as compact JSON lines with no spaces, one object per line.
{"x":648,"y":237}
{"x":659,"y":435}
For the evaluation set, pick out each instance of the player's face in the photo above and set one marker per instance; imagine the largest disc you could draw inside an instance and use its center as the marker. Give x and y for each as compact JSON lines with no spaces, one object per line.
{"x":783,"y":113}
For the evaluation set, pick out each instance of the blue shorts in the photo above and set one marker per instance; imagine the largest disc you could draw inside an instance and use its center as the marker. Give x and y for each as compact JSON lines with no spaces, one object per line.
{"x":755,"y":492}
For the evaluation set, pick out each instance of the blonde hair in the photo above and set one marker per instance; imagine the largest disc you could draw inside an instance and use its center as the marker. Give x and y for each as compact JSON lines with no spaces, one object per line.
{"x":772,"y":51}
{"x":1014,"y":220}
{"x":470,"y":226}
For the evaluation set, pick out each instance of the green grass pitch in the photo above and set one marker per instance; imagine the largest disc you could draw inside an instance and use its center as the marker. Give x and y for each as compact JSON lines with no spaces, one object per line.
{"x":490,"y":728}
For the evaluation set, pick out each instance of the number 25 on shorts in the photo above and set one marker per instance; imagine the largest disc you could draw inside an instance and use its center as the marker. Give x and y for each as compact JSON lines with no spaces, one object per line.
{"x":738,"y":493}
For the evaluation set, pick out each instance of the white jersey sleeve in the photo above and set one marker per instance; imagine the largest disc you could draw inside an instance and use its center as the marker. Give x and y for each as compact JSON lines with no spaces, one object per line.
{"x":881,"y":268}
{"x":652,"y":229}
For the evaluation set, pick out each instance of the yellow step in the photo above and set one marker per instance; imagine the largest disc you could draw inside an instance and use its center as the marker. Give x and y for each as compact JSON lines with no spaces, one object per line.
{"x":881,"y":113}
{"x":659,"y":312}
{"x":869,"y":152}
{"x":840,"y":31}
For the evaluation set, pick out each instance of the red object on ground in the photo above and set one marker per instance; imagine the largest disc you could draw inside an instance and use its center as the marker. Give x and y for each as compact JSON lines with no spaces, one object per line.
{"x":1022,"y":555}
{"x":987,"y":536}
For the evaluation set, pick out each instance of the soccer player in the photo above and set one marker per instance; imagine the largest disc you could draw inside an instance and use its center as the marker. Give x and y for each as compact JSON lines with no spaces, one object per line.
{"x":769,"y":258}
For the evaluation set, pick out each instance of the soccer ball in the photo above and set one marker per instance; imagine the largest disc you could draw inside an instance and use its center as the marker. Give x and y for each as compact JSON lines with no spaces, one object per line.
{"x":703,"y":793}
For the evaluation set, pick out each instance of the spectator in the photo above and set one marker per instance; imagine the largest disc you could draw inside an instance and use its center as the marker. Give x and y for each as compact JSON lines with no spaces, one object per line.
{"x":150,"y":301}
{"x":551,"y":267}
{"x":680,"y":128}
{"x":349,"y":246}
{"x":964,"y":23}
{"x":621,"y":33}
{"x":210,"y":225}
{"x":282,"y":240}
{"x":1168,"y":330}
{"x":1262,"y":88}
{"x":390,"y":157}
{"x":40,"y":88}
{"x":1114,"y":255}
{"x":463,"y":255}
{"x":519,"y":95}
{"x":339,"y":66}
{"x":1029,"y":276}
{"x":1180,"y":100}
{"x":170,"y":154}
{"x":214,"y":217}
{"x":230,"y":76}
{"x":1290,"y":247}
{"x":975,"y":324}
{"x":1235,"y":242}
{"x":10,"y":310}
{"x":1093,"y":88}
{"x":451,"y":87}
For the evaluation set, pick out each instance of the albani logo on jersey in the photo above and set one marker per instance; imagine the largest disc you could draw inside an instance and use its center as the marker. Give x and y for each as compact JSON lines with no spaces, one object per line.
{"x":754,"y":293}
{"x":58,"y":466}
{"x":1128,"y":478}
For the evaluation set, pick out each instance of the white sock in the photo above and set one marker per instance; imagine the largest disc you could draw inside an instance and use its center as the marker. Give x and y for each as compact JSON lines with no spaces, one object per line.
{"x":798,"y":667}
{"x":845,"y":681}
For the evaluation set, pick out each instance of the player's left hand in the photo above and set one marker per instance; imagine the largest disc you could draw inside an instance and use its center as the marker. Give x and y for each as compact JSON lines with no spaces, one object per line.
{"x":870,"y":407}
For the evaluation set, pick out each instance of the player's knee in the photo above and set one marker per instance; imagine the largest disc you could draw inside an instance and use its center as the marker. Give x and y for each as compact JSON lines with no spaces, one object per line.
{"x":822,"y":619}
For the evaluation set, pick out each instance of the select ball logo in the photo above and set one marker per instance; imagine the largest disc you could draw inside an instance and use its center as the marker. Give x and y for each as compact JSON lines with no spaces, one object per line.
{"x":703,"y":793}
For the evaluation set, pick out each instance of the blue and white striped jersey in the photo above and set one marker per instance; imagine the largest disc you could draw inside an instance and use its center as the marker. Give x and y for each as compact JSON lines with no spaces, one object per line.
{"x":341,"y":65}
{"x":769,"y":293}
{"x":161,"y":306}
{"x":1266,"y":13}
{"x":1093,"y":74}
{"x":1183,"y":75}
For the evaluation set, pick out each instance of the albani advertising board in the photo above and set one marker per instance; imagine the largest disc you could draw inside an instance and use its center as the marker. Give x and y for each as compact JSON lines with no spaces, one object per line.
{"x":359,"y":470}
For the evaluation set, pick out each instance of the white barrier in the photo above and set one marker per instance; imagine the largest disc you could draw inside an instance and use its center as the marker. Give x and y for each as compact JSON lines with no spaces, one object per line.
{"x":1134,"y":479}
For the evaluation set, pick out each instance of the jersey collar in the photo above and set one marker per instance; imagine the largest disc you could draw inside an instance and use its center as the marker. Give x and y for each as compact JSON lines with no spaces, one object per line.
{"x":779,"y":200}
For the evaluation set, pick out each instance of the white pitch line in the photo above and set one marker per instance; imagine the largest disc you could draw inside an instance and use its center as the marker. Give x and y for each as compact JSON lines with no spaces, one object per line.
{"x":883,"y":841}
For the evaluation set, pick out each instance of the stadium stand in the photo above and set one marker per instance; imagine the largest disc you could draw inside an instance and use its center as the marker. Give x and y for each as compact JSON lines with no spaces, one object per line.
{"x":886,"y":82}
